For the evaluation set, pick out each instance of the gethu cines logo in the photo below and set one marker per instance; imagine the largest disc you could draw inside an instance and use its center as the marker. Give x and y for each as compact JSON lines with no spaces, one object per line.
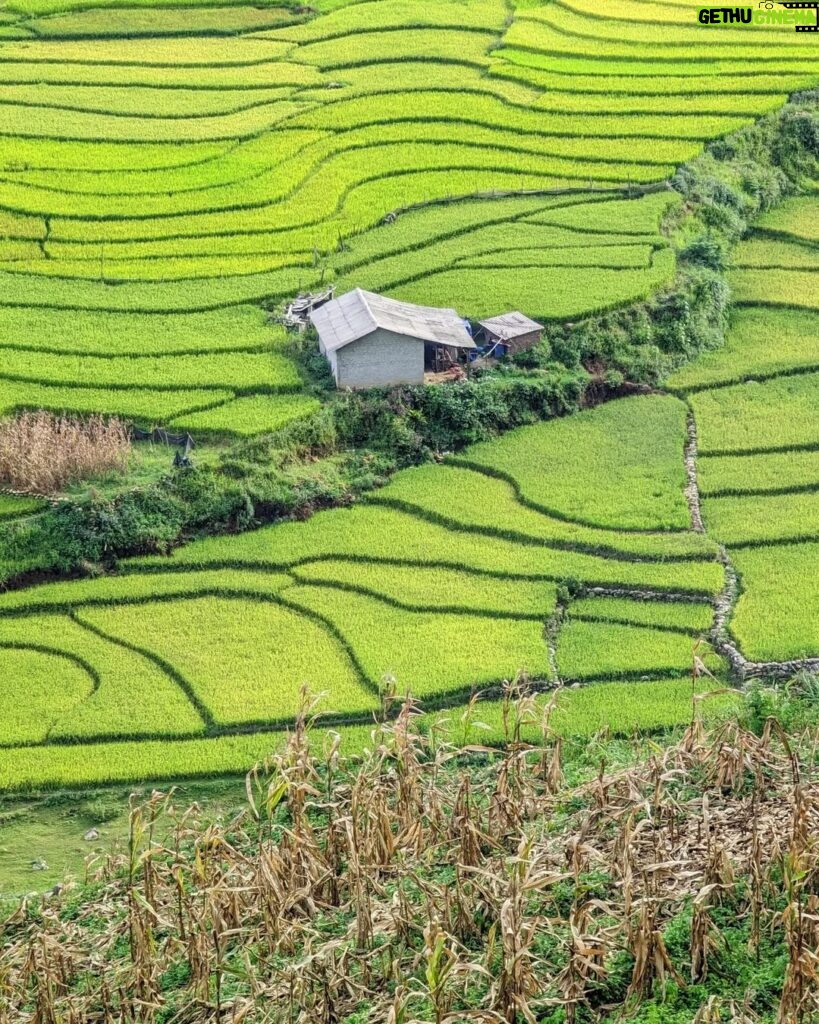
{"x":803,"y":16}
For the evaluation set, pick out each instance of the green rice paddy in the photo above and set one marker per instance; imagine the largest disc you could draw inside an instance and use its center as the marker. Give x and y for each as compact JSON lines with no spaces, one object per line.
{"x":754,"y":404}
{"x":168,"y":168}
{"x":465,"y":577}
{"x":170,"y":171}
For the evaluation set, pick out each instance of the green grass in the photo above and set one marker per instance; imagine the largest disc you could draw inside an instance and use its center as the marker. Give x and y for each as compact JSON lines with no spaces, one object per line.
{"x":694,"y":618}
{"x":750,"y":520}
{"x":775,"y":618}
{"x":601,"y":650}
{"x":749,"y":353}
{"x":12,"y":506}
{"x":133,"y":695}
{"x":726,"y":474}
{"x":236,"y":680}
{"x":775,"y":415}
{"x":32,"y":702}
{"x":618,"y":466}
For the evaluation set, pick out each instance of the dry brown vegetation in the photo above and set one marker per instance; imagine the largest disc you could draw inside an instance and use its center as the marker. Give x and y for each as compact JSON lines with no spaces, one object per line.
{"x":430,"y":884}
{"x":41,"y":453}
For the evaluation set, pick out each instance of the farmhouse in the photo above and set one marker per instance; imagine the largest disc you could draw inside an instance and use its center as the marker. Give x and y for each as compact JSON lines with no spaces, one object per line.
{"x":510,"y":333}
{"x":372,"y":341}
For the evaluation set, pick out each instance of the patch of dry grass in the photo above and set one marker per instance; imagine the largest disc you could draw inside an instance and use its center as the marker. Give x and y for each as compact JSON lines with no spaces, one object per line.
{"x":41,"y":453}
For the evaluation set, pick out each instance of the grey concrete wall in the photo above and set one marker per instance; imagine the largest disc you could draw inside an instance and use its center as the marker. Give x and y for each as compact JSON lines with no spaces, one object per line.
{"x":380,"y":360}
{"x":331,"y":359}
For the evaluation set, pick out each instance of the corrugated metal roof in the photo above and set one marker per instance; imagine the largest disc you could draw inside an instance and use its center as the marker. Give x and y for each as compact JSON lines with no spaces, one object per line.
{"x":359,"y":313}
{"x":511,"y":325}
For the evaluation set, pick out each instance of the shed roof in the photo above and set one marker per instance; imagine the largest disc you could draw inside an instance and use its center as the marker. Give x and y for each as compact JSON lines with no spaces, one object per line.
{"x":511,"y":325}
{"x":359,"y":313}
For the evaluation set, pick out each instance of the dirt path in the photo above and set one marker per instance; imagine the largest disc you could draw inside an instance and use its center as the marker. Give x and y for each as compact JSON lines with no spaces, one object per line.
{"x":692,"y":490}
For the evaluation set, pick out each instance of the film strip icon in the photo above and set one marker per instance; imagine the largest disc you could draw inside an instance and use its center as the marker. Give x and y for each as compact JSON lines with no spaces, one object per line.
{"x":801,"y":7}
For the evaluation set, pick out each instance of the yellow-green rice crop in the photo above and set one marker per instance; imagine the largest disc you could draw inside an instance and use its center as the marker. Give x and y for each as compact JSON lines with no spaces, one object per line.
{"x":131,"y":695}
{"x":254,"y":414}
{"x":125,"y":334}
{"x":584,"y":712}
{"x":473,"y":500}
{"x":775,"y":618}
{"x":796,"y":217}
{"x":600,"y":650}
{"x":764,"y":517}
{"x":157,"y":191}
{"x":263,"y":653}
{"x":578,"y":468}
{"x":428,"y":654}
{"x":248,"y":371}
{"x":798,"y":289}
{"x":421,"y":589}
{"x":576,"y":291}
{"x":749,"y":352}
{"x":686,"y":616}
{"x":141,"y":405}
{"x":39,"y":687}
{"x":723,"y":475}
{"x":151,"y":22}
{"x":755,"y":417}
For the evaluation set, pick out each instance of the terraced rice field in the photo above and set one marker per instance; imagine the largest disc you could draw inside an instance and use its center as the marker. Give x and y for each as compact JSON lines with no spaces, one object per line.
{"x":167,"y":169}
{"x":170,"y":171}
{"x":198,"y":659}
{"x":755,"y":404}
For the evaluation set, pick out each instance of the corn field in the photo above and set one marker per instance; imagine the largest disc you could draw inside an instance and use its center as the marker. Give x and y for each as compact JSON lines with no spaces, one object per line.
{"x":428,"y":883}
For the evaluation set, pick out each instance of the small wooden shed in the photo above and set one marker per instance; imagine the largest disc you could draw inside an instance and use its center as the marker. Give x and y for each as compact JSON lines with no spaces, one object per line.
{"x":512,"y":332}
{"x":371,"y":341}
